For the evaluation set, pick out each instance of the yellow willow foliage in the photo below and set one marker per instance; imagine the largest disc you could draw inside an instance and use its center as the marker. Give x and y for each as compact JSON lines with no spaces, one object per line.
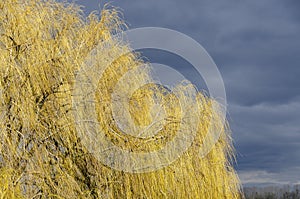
{"x":42,"y":47}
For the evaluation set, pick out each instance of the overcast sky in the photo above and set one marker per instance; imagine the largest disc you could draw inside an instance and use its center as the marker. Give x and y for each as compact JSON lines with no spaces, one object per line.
{"x":256,"y":46}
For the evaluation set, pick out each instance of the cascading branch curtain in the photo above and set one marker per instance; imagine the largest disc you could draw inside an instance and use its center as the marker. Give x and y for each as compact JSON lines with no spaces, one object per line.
{"x":42,"y":46}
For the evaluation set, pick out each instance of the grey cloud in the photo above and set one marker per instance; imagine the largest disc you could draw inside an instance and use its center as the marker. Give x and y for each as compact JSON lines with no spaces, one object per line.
{"x":267,"y":136}
{"x":254,"y":177}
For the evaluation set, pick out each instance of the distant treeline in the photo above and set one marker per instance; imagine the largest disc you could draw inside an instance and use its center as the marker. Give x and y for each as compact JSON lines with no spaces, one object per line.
{"x":273,"y":192}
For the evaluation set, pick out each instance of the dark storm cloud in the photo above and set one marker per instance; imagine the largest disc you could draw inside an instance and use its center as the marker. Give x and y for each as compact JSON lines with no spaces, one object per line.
{"x":256,"y":45}
{"x":269,"y":135}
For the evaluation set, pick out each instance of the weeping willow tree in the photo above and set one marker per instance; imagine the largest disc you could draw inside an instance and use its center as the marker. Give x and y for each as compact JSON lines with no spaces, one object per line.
{"x":42,"y":47}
